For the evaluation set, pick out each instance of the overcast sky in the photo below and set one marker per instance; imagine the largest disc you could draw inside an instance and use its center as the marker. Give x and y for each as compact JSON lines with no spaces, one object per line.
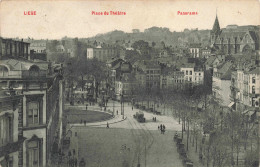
{"x":56,"y":19}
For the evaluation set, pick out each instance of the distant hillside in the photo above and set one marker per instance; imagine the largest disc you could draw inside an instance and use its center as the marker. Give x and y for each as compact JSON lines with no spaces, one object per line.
{"x":154,"y":34}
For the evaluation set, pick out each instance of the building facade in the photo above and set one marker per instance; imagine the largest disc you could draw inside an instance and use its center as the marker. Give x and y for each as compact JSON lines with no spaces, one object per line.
{"x":221,"y":82}
{"x":245,"y":88}
{"x":192,"y":74}
{"x":102,"y":54}
{"x":195,"y":50}
{"x":37,"y":114}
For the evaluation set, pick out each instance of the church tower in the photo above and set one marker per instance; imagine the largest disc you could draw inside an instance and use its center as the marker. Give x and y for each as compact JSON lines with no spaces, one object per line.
{"x":215,"y":32}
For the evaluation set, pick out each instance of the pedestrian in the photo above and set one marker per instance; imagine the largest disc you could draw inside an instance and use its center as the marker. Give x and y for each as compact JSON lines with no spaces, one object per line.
{"x":155,"y":119}
{"x":158,"y":127}
{"x":161,"y":128}
{"x":105,"y":108}
{"x":116,"y":112}
{"x":107,"y":125}
{"x":132,"y":108}
{"x":86,"y":106}
{"x":85,"y":122}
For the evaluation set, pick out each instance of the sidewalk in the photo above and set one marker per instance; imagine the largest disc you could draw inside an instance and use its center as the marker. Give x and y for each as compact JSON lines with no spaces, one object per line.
{"x":103,"y":123}
{"x":115,"y":119}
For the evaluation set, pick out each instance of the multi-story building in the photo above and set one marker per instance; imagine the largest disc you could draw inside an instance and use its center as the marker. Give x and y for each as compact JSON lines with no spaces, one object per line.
{"x":125,"y":86}
{"x":192,"y":74}
{"x":34,"y":92}
{"x":12,"y":48}
{"x":172,"y":80}
{"x":10,"y":135}
{"x":103,"y":53}
{"x":38,"y":46}
{"x":205,"y":53}
{"x":152,"y":72}
{"x":221,"y":82}
{"x":195,"y":50}
{"x":245,"y":88}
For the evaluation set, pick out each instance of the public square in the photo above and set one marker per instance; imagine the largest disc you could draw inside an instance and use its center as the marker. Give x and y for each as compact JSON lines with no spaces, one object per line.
{"x":126,"y":142}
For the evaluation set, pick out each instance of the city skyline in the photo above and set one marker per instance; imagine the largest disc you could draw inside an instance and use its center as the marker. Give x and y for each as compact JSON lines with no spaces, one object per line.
{"x":52,"y":22}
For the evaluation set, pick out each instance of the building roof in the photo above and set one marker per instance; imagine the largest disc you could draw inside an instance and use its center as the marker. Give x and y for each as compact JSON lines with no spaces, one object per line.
{"x":188,"y":65}
{"x":16,"y":65}
{"x":255,"y":70}
{"x":210,"y":60}
{"x":225,"y":70}
{"x":232,"y":34}
{"x":195,"y":45}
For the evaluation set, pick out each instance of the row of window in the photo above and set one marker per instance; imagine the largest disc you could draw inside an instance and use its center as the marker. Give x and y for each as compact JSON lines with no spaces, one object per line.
{"x":152,"y":77}
{"x":153,"y":72}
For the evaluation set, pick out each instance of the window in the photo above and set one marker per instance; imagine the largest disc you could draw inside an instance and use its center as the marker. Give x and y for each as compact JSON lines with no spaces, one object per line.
{"x":190,"y":79}
{"x":190,"y":72}
{"x":253,"y":89}
{"x":3,"y":71}
{"x":253,"y":79}
{"x":33,"y":153}
{"x":199,"y":74}
{"x":5,"y":130}
{"x":33,"y":113}
{"x":187,"y":72}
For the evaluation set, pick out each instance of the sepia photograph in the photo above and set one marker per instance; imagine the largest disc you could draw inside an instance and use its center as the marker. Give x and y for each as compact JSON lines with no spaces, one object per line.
{"x":131,"y":83}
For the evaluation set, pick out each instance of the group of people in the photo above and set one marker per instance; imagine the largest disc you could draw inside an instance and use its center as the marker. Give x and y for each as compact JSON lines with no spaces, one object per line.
{"x":161,"y":128}
{"x":154,"y":119}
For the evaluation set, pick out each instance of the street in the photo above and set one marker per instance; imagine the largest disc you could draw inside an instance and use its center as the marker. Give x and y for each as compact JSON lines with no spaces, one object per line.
{"x":127,"y":142}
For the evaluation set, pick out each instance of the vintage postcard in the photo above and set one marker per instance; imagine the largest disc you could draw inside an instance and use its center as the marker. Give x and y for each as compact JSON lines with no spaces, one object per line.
{"x":129,"y":83}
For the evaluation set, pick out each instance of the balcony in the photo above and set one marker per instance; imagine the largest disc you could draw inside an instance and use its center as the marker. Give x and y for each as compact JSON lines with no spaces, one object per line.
{"x":25,"y":75}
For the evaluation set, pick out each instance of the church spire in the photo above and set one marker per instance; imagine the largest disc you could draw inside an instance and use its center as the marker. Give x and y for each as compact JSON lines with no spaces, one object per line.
{"x":216,"y":28}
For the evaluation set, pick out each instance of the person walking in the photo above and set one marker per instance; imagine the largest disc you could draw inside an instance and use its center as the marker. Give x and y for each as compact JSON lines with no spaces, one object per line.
{"x":161,"y":128}
{"x":155,"y":119}
{"x":85,"y":122}
{"x":116,"y":112}
{"x":158,"y":127}
{"x":107,"y":125}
